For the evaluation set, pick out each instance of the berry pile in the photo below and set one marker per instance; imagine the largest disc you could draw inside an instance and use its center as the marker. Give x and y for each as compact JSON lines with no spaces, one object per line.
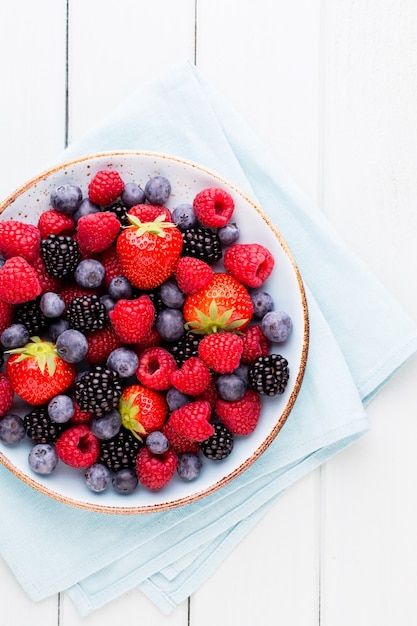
{"x":136,"y":357}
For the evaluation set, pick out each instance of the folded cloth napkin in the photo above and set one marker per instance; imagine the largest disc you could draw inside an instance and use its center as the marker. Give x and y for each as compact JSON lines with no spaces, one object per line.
{"x":359,"y":338}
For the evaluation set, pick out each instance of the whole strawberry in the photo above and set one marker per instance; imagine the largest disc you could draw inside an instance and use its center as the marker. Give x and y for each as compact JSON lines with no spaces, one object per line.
{"x":155,"y":471}
{"x":132,"y":320}
{"x":6,"y":395}
{"x":36,"y":372}
{"x":105,"y":187}
{"x":250,"y":263}
{"x":221,"y":351}
{"x":19,"y":281}
{"x":149,"y":251}
{"x":142,"y":410}
{"x":19,"y":239}
{"x":240,"y":416}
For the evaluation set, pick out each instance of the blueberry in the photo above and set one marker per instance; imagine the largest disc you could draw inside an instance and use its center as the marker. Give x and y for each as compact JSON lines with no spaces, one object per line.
{"x":189,"y":466}
{"x":242,"y":372}
{"x":89,"y":273}
{"x":171,"y":295}
{"x":125,"y":481}
{"x":56,"y":328}
{"x":14,"y":336}
{"x":184,"y":217}
{"x":51,"y":304}
{"x":72,"y":346}
{"x":132,"y":194}
{"x":86,"y":208}
{"x":170,"y":324}
{"x":123,"y":361}
{"x":61,"y":408}
{"x":97,"y":477}
{"x":2,"y":260}
{"x":158,"y":190}
{"x":108,"y":302}
{"x":229,"y":233}
{"x":12,"y":429}
{"x":262,"y":304}
{"x":43,"y":458}
{"x":66,"y":198}
{"x":157,"y":442}
{"x":107,"y":426}
{"x":276,"y":326}
{"x":230,"y":387}
{"x":120,"y":288}
{"x":176,"y":399}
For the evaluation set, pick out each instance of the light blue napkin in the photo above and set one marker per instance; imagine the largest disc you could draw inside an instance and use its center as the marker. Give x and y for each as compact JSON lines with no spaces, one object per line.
{"x":359,"y":339}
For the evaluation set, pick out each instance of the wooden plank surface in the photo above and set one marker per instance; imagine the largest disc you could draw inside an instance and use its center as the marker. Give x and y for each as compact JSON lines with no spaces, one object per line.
{"x":331,"y":89}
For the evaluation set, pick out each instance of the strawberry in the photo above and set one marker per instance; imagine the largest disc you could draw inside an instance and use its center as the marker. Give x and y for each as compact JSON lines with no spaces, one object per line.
{"x":240,"y":416}
{"x":254,"y":343}
{"x":6,"y":395}
{"x":100,"y":343}
{"x":97,"y":231}
{"x":191,"y":421}
{"x":19,"y":281}
{"x":133,"y":319}
{"x":142,"y":410}
{"x":223,"y":304}
{"x":250,"y":263}
{"x":53,"y":222}
{"x":6,"y":315}
{"x":155,"y":471}
{"x":155,"y":368}
{"x":177,"y":442}
{"x":19,"y":239}
{"x":213,"y":207}
{"x":149,"y":212}
{"x":105,"y":187}
{"x":192,"y":274}
{"x":221,"y":351}
{"x":192,"y":378}
{"x":148,"y":251}
{"x":78,"y":446}
{"x":37,"y":373}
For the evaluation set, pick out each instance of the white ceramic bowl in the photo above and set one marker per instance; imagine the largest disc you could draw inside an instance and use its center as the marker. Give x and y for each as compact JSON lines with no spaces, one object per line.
{"x":285,"y":285}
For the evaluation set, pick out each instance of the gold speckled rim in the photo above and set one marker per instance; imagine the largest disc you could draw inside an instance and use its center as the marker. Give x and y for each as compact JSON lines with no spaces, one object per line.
{"x":162,"y":506}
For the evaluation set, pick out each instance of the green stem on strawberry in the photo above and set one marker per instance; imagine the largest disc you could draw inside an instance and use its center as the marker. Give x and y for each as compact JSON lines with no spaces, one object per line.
{"x":214,"y":323}
{"x":130,"y":414}
{"x":44,"y":352}
{"x":157,"y":227}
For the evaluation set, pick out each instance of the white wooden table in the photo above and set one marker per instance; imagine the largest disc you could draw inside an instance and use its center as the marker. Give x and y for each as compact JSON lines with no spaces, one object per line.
{"x":331,"y":87}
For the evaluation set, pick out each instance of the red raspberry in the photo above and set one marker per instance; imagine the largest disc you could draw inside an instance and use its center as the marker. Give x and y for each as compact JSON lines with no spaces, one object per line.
{"x":19,"y":281}
{"x":254,"y":343}
{"x":78,"y":446}
{"x":221,"y":351}
{"x":192,"y":274}
{"x":191,"y":421}
{"x":19,"y":239}
{"x":105,"y":187}
{"x":149,"y":212}
{"x":250,"y":263}
{"x":97,"y":231}
{"x":79,"y":416}
{"x":111,"y":263}
{"x":240,"y":416}
{"x":152,"y":339}
{"x":155,"y":368}
{"x":213,"y":207}
{"x":192,"y":378}
{"x":6,"y":395}
{"x":133,"y":319}
{"x":100,"y":343}
{"x":210,"y":394}
{"x":71,"y":291}
{"x":180,"y":444}
{"x":154,"y":472}
{"x":53,"y":222}
{"x":47,"y":282}
{"x":6,"y":315}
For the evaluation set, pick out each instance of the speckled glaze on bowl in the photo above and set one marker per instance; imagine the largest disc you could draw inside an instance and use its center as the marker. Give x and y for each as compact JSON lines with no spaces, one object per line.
{"x":285,"y":285}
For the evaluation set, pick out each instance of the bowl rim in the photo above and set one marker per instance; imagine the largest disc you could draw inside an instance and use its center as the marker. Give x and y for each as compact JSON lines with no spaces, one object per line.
{"x":242,"y":467}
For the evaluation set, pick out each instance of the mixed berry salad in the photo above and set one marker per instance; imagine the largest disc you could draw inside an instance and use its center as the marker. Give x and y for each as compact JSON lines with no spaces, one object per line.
{"x":140,"y":340}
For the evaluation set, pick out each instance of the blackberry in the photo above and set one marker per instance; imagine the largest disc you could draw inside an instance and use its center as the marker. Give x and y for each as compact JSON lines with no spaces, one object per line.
{"x":202,"y":243}
{"x":61,"y":255}
{"x":156,"y":299}
{"x":185,"y":347}
{"x":268,"y":375}
{"x":219,"y":445}
{"x":31,"y":316}
{"x":98,"y":391}
{"x":120,"y":212}
{"x":40,"y":428}
{"x":86,"y":313}
{"x":121,"y":451}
